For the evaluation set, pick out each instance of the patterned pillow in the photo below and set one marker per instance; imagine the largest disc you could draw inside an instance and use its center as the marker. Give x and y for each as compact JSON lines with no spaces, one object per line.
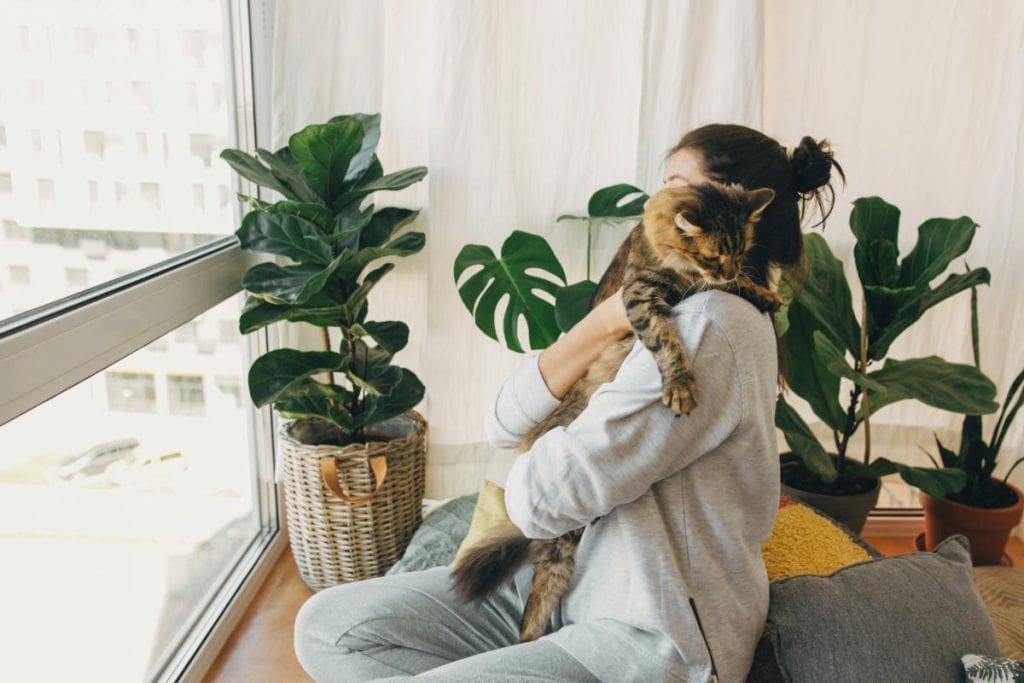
{"x":979,"y":668}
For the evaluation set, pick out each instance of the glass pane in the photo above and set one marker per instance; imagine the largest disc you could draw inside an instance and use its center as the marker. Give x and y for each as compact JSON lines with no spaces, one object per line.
{"x":110,"y":131}
{"x":124,"y":502}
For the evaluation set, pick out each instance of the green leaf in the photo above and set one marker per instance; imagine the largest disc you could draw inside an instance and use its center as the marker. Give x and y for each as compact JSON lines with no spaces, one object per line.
{"x":618,"y":201}
{"x":249,"y":168}
{"x":392,"y":336}
{"x":371,"y":136}
{"x":317,"y":407}
{"x":937,"y":483}
{"x":405,"y":245}
{"x":507,"y":277}
{"x":913,"y":307}
{"x":384,"y":224}
{"x":349,"y":226}
{"x":254,"y":202}
{"x":802,"y":441}
{"x":939,"y":241}
{"x":949,"y":458}
{"x":826,"y":295}
{"x":948,"y":386}
{"x":572,"y":303}
{"x":392,"y":182}
{"x":290,"y":284}
{"x":807,"y":376}
{"x":358,"y":297}
{"x":317,"y":214}
{"x":324,"y":152}
{"x":834,"y":360}
{"x":875,"y":224}
{"x":317,"y":310}
{"x":273,"y":374}
{"x":283,"y":234}
{"x":286,"y":169}
{"x":404,"y":396}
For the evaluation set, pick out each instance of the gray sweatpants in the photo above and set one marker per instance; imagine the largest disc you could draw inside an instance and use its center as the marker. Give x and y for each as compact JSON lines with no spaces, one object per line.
{"x":396,"y":627}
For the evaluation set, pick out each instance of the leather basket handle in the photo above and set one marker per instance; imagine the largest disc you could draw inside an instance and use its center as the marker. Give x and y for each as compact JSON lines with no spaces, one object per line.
{"x":329,"y":473}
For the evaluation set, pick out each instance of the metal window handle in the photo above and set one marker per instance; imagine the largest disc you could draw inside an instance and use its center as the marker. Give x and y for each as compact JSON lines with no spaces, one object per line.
{"x":329,"y":473}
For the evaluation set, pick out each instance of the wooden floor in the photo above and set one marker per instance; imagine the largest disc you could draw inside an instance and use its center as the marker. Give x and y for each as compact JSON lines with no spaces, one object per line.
{"x":260,"y":649}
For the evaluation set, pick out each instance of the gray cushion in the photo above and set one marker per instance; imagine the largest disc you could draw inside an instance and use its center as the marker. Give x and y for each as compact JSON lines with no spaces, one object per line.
{"x":438,"y":537}
{"x":901,"y":618}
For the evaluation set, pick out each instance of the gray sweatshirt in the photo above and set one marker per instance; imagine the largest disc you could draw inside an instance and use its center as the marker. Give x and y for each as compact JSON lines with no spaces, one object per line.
{"x":684,"y":502}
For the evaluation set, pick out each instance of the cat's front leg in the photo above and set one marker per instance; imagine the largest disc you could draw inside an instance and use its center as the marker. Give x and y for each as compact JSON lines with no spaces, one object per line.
{"x":650,"y":314}
{"x":765,"y":299}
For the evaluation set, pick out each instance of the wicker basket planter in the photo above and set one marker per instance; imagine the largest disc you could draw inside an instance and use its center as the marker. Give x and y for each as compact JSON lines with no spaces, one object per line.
{"x":352,"y":510}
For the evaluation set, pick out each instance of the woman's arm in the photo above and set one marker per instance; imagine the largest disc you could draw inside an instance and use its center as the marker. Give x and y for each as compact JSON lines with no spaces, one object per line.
{"x":567,"y":360}
{"x":529,"y":395}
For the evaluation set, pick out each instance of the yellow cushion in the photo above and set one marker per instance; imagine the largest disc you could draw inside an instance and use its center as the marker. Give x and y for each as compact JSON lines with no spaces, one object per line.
{"x":802,"y":541}
{"x":488,"y":514}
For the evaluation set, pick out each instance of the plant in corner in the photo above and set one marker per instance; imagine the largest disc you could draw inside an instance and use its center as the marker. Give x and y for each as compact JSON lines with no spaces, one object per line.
{"x":986,"y":509}
{"x":826,"y":344}
{"x":363,"y":405}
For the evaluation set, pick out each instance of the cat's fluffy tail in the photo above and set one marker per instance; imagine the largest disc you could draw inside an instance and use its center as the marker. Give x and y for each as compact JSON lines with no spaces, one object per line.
{"x":490,"y":563}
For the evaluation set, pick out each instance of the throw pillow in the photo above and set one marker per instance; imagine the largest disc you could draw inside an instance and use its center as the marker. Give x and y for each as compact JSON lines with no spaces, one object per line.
{"x":978,"y":669}
{"x":906,"y":617}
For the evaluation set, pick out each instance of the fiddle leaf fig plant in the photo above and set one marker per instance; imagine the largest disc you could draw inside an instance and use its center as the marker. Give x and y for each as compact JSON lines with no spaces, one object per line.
{"x":509,"y":276}
{"x":826,"y":343}
{"x":330,"y":246}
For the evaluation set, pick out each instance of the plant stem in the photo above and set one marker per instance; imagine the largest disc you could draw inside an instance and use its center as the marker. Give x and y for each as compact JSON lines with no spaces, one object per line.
{"x":863,"y":371}
{"x":326,"y":334}
{"x":848,"y":429}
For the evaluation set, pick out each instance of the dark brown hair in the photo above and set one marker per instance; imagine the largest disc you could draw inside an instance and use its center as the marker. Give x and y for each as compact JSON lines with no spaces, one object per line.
{"x":737,"y":154}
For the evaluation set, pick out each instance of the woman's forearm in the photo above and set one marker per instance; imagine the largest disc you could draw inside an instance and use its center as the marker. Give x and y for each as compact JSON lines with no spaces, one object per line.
{"x":567,"y":360}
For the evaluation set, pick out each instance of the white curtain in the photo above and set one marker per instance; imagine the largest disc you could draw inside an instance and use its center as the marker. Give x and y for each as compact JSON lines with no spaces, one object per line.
{"x":521,"y":109}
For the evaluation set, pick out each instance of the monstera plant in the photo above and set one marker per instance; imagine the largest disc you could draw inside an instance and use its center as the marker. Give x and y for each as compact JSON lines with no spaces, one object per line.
{"x":826,"y":343}
{"x":508,"y":276}
{"x":329,"y":240}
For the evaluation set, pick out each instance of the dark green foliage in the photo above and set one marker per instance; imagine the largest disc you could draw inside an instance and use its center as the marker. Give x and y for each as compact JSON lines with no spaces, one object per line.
{"x":548,"y":305}
{"x":329,"y":240}
{"x":822,"y":336}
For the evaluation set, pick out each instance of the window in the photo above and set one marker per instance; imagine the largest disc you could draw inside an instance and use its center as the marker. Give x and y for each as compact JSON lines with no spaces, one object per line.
{"x":76,"y":278}
{"x":136,"y":474}
{"x":185,"y":395}
{"x":18,"y":274}
{"x":131,"y":392}
{"x":46,"y":190}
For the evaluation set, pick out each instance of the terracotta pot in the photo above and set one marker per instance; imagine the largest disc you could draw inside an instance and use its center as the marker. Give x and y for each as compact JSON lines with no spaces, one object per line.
{"x":986,"y":528}
{"x":850,"y":510}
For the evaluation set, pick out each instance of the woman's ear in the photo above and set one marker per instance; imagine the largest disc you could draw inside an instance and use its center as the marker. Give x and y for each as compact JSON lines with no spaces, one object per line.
{"x":759,"y":200}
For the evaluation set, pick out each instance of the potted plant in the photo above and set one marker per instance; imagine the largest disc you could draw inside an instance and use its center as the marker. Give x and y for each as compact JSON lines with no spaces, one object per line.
{"x":825,"y":344}
{"x":985,"y":510}
{"x":563,"y":304}
{"x":353,"y":431}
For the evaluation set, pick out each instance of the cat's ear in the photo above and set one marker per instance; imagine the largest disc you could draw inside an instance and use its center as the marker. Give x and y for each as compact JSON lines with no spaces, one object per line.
{"x":686,"y":226}
{"x":759,"y":200}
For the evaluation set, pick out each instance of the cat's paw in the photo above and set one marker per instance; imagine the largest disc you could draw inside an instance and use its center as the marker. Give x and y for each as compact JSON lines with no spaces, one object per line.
{"x":770,"y":301}
{"x":680,"y":395}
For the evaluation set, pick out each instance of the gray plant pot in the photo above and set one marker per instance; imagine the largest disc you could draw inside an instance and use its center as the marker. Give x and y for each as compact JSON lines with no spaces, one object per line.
{"x":849,"y":510}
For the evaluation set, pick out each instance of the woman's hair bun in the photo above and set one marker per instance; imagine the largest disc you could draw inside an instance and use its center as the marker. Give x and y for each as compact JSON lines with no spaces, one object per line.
{"x":812,"y":164}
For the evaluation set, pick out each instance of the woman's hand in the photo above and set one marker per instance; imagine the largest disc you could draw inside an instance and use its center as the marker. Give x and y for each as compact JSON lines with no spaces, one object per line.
{"x":568,"y":359}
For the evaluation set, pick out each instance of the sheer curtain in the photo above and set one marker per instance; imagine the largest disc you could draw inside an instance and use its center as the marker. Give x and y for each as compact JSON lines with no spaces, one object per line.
{"x":521,"y":109}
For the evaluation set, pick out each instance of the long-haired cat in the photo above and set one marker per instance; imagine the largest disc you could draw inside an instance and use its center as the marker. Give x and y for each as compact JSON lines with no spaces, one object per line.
{"x":691,"y":239}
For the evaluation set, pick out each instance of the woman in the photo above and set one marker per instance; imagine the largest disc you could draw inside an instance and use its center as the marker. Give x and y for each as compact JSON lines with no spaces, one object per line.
{"x":669,"y":582}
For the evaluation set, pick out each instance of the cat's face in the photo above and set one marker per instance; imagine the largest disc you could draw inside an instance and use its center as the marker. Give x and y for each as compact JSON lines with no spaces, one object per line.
{"x":707,"y":227}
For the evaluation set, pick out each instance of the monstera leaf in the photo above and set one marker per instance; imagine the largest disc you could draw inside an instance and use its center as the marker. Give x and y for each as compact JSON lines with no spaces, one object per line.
{"x":572,"y":303}
{"x":508,"y":278}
